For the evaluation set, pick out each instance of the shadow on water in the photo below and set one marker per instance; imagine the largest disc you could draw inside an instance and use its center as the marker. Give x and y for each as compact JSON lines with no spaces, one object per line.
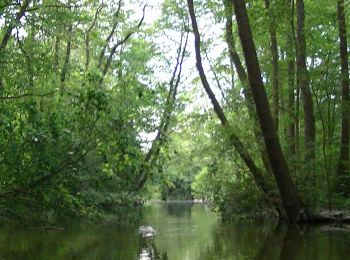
{"x":261,"y":240}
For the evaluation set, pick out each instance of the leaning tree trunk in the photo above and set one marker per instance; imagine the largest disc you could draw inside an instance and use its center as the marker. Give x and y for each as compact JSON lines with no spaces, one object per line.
{"x":242,"y":75}
{"x":343,"y":164}
{"x":295,"y":209}
{"x":256,"y":172}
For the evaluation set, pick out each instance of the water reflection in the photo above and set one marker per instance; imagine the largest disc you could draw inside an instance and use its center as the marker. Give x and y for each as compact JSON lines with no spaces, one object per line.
{"x":183,"y":231}
{"x":149,"y":251}
{"x":266,"y":241}
{"x":179,"y":209}
{"x":283,"y":242}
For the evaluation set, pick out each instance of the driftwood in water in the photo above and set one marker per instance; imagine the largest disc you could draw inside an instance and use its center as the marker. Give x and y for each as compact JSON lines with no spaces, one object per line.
{"x":336,"y":216}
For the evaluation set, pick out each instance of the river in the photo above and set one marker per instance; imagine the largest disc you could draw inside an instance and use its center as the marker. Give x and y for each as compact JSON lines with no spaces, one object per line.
{"x":184,"y":231}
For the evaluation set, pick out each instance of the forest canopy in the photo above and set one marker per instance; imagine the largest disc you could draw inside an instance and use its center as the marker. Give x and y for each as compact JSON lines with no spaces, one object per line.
{"x":107,"y":104}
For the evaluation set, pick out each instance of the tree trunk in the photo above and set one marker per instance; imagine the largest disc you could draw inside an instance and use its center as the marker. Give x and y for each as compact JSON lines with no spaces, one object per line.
{"x":8,"y":31}
{"x":291,"y":107}
{"x":13,"y":24}
{"x":274,"y":62}
{"x":290,"y":55}
{"x":67,"y":58}
{"x":56,"y":55}
{"x":343,"y":163}
{"x":295,"y":209}
{"x":232,"y":137}
{"x":242,"y":75}
{"x":304,"y":83}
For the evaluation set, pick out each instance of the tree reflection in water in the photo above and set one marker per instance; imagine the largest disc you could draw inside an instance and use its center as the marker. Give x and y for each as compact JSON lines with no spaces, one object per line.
{"x":149,"y":251}
{"x":284,"y":242}
{"x":179,"y":209}
{"x":261,"y":240}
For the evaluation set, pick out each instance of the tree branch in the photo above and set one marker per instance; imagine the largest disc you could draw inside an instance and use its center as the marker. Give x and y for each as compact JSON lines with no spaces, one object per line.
{"x":87,"y":37}
{"x":13,"y":24}
{"x":256,"y":172}
{"x":154,"y":151}
{"x":109,"y":37}
{"x":109,"y":60}
{"x":216,"y":78}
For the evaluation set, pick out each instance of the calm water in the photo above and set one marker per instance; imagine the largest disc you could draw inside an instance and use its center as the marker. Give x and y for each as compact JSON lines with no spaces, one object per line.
{"x":185,"y":231}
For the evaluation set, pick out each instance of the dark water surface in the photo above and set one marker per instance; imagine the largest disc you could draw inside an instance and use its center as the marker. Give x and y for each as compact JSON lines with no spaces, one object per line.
{"x":184,"y":231}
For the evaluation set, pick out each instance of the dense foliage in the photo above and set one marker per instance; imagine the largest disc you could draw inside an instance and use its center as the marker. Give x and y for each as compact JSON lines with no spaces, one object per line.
{"x":101,"y":107}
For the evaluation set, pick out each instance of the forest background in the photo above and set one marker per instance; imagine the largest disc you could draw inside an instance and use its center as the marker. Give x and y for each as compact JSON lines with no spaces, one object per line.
{"x":107,"y":104}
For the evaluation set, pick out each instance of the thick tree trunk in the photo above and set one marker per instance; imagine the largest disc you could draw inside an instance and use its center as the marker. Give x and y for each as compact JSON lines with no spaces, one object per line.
{"x":295,"y":209}
{"x":343,"y":164}
{"x":274,"y":62}
{"x":242,"y":75}
{"x":232,"y":137}
{"x":303,"y":81}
